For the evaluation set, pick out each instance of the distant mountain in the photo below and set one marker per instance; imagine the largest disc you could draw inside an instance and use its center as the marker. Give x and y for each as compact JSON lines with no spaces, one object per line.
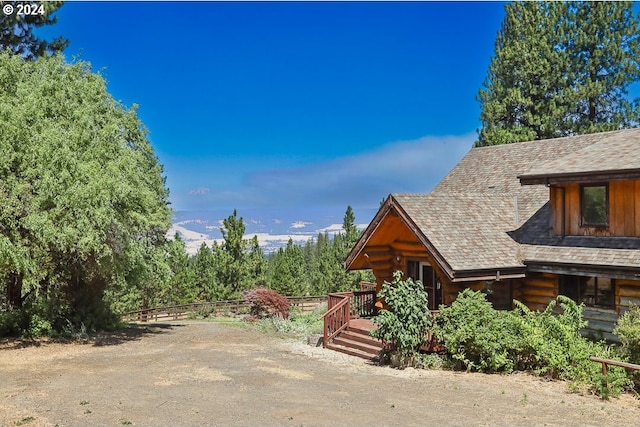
{"x":273,"y":226}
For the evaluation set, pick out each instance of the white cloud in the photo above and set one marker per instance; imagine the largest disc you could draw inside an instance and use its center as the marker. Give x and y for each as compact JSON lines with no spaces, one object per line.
{"x":299,"y":224}
{"x":200,"y":191}
{"x":332,"y":229}
{"x":363,"y":179}
{"x":360,"y":180}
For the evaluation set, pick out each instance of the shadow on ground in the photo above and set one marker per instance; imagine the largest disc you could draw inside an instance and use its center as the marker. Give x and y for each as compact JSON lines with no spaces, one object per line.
{"x":130,"y":332}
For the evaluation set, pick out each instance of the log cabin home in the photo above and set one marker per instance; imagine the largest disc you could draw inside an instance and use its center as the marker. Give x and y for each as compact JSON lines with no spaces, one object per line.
{"x":525,"y":221}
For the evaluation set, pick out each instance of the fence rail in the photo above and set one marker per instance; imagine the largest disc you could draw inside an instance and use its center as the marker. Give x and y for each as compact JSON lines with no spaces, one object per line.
{"x":215,"y":308}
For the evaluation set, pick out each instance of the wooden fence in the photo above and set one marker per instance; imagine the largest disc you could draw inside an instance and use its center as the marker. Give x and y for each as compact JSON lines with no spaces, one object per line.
{"x":303,"y":305}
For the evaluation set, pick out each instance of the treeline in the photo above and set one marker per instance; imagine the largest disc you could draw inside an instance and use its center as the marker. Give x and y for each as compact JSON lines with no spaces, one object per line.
{"x":223,"y":271}
{"x":85,"y":212}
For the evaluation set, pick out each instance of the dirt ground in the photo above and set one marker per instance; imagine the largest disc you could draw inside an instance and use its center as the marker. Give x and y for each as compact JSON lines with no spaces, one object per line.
{"x":212,"y":374}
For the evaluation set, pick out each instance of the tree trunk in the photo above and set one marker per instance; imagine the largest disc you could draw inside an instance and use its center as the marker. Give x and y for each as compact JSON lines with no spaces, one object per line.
{"x":14,"y":290}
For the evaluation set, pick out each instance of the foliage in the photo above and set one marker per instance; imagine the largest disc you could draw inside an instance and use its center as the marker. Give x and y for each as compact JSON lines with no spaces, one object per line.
{"x":84,"y":199}
{"x":476,"y":336}
{"x":559,"y":69}
{"x":297,"y":325}
{"x":403,"y":327}
{"x":287,"y":272}
{"x":267,"y":303}
{"x":17,"y":31}
{"x":549,"y":343}
{"x":628,"y":330}
{"x":317,"y":268}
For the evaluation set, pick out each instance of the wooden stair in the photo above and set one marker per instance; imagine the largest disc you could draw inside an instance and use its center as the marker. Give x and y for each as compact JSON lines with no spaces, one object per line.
{"x":357,"y":342}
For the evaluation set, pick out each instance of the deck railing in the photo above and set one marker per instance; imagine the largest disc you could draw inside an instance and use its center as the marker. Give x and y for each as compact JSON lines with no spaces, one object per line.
{"x":344,"y":306}
{"x":215,"y":308}
{"x":368,"y":286}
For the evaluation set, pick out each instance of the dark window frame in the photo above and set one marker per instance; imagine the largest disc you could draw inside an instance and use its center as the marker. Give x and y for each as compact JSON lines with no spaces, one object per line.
{"x":575,"y":288}
{"x":583,"y":222}
{"x":500,"y":294}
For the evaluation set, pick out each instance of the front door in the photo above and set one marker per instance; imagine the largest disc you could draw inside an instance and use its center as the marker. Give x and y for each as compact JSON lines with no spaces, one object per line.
{"x":431,"y":286}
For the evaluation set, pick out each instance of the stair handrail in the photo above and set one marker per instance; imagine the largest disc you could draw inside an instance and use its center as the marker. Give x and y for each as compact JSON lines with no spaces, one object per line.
{"x":331,"y":316}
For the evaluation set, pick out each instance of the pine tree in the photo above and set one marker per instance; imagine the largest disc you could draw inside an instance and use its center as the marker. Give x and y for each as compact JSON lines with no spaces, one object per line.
{"x":234,"y":247}
{"x":287,"y":274}
{"x":16,"y":31}
{"x":604,"y":48}
{"x":560,"y":69}
{"x":350,"y":229}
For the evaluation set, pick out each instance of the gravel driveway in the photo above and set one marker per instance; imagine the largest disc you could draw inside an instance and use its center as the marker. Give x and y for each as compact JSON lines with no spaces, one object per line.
{"x":213,"y":374}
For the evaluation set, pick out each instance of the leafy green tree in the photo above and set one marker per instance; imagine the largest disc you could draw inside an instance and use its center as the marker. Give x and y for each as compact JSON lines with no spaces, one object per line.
{"x":17,"y":35}
{"x":404,"y":326}
{"x":560,"y":68}
{"x":84,"y":199}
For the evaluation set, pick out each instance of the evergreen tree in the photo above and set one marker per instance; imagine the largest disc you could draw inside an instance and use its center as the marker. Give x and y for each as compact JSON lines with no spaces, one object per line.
{"x":350,"y":229}
{"x":560,"y":69}
{"x":234,"y":249}
{"x":287,"y":274}
{"x":604,"y":47}
{"x":257,"y":265}
{"x":16,"y":31}
{"x":203,"y":265}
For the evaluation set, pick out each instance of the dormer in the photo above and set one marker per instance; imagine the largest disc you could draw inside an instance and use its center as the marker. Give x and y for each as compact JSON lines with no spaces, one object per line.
{"x":594,"y":191}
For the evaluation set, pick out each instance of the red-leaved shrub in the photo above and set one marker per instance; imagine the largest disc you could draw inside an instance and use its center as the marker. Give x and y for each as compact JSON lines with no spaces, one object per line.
{"x":267,"y":303}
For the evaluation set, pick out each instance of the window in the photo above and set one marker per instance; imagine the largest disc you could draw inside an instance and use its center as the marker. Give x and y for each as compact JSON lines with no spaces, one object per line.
{"x":594,"y":205}
{"x":499,"y":294}
{"x":592,"y":291}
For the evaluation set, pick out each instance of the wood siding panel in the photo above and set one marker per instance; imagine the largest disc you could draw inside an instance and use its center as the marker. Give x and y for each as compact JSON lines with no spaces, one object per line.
{"x":555,"y":195}
{"x":636,"y":210}
{"x":572,"y":209}
{"x":624,"y":210}
{"x":621,"y":208}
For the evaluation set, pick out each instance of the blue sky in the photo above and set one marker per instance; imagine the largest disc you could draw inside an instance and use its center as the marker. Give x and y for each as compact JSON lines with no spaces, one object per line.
{"x":293,"y":104}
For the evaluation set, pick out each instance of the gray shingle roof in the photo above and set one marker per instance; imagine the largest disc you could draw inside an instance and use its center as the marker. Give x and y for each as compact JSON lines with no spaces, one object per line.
{"x":610,"y":151}
{"x":468,"y":230}
{"x":470,"y":216}
{"x":495,"y":169}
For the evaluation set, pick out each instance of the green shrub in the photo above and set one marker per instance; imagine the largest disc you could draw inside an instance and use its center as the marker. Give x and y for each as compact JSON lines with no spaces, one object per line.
{"x":477,"y":337}
{"x":403,"y":328}
{"x":549,"y":343}
{"x":628,"y":331}
{"x":297,"y":325}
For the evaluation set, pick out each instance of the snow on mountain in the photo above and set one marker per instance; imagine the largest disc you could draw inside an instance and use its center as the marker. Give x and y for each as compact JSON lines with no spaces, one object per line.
{"x":273,"y":227}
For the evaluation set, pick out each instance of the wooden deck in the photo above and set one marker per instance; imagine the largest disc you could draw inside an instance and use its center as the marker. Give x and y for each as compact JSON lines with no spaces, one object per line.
{"x":362,"y":324}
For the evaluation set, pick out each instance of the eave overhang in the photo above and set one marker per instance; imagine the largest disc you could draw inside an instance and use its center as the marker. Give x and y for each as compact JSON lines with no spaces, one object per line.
{"x":577,"y":269}
{"x":580,"y":177}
